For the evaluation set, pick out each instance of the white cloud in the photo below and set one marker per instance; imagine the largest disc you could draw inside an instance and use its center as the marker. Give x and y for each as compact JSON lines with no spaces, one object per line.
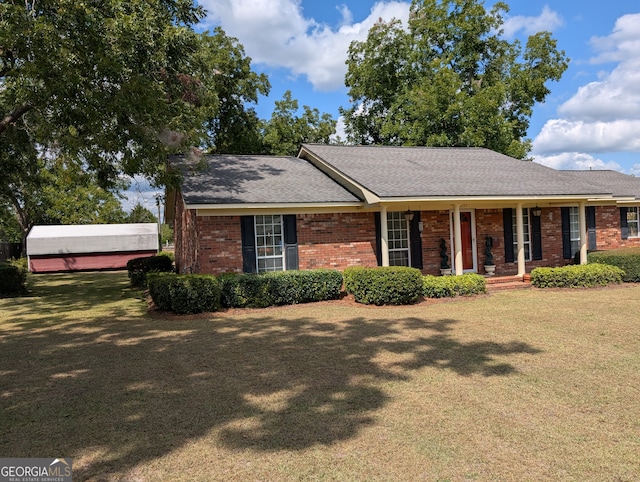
{"x":548,"y":20}
{"x":576,"y":161}
{"x":615,"y":97}
{"x":276,"y":33}
{"x":622,"y":43}
{"x":566,"y":135}
{"x":604,"y":115}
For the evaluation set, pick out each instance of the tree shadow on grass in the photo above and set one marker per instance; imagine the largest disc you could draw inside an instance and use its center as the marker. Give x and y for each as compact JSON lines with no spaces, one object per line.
{"x":115,"y":392}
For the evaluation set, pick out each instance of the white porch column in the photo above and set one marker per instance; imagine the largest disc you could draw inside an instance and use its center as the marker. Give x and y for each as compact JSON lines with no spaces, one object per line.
{"x":582,"y":216}
{"x":384,"y":236}
{"x":457,"y":241}
{"x":520,"y":235}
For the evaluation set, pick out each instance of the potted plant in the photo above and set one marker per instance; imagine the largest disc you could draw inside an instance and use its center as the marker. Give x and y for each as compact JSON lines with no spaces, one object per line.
{"x":489,"y":267}
{"x":444,"y":258}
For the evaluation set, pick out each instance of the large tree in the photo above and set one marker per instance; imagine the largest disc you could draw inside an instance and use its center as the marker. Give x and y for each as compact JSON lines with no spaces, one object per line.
{"x":112,"y":82}
{"x":449,"y":79}
{"x":285,"y":131}
{"x":233,"y":127}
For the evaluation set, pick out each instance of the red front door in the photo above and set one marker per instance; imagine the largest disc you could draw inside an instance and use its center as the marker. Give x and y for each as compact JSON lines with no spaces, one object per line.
{"x":467,"y":243}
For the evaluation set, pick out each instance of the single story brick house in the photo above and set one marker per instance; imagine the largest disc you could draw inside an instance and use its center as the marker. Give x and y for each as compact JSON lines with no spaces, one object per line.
{"x":339,"y":206}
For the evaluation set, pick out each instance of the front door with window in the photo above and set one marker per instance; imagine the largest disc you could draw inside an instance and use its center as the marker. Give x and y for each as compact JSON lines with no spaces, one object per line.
{"x":467,"y":231}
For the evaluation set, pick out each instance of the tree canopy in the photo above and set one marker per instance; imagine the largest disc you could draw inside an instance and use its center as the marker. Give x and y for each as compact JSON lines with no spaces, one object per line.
{"x":448,"y":79}
{"x":285,"y":131}
{"x":94,"y":90}
{"x":104,"y":81}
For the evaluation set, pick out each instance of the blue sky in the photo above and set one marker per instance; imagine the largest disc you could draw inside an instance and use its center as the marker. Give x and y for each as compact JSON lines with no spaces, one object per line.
{"x":591,"y":119}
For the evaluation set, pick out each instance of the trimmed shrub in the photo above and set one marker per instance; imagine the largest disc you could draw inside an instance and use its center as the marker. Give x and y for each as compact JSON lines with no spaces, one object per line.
{"x":159,"y":285}
{"x":393,"y":285}
{"x":627,"y":259}
{"x":195,"y":293}
{"x":184,"y":294}
{"x":451,"y":286}
{"x":245,"y":291}
{"x":279,"y":288}
{"x":576,"y":276}
{"x":293,"y":287}
{"x":13,"y":277}
{"x":138,"y":268}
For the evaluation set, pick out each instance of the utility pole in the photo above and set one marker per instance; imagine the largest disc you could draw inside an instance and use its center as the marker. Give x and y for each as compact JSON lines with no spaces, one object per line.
{"x":158,"y":197}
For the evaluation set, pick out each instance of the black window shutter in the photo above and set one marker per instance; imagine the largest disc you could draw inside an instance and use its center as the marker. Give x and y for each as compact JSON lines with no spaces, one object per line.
{"x":290,"y":241}
{"x":248,"y":235}
{"x":536,"y":235}
{"x":507,"y":221}
{"x":378,"y":239}
{"x":591,"y":228}
{"x":416,"y":242}
{"x":624,"y":224}
{"x":566,"y":233}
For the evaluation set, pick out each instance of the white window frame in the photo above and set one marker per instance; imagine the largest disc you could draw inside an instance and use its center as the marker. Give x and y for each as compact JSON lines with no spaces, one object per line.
{"x":526,"y":226}
{"x":398,"y":237}
{"x":271,"y":240}
{"x":632,"y":212}
{"x":574,"y":229}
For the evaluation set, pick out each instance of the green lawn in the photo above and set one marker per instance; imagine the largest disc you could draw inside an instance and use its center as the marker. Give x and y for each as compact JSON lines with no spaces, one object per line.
{"x":523,"y":385}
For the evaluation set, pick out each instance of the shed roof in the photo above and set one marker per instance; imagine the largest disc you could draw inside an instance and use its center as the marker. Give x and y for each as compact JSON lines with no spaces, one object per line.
{"x":248,"y":179}
{"x":425,"y":172}
{"x":92,"y":238}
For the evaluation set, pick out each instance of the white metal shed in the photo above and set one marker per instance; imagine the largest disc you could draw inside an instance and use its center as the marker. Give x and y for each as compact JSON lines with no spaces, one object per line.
{"x":89,"y":246}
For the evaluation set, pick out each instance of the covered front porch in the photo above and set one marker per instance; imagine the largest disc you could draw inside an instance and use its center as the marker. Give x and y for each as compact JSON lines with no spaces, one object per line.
{"x":523,"y":234}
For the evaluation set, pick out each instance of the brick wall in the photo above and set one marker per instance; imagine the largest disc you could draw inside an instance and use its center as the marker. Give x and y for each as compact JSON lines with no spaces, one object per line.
{"x":185,"y":237}
{"x":341,"y":240}
{"x":436,"y":227}
{"x":336,"y":241}
{"x":608,"y":234}
{"x":220,"y":244}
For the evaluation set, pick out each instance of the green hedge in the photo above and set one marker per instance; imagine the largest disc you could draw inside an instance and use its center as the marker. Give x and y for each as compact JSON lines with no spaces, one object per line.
{"x":13,"y":277}
{"x":184,"y":294}
{"x":384,"y":285}
{"x":138,"y":268}
{"x":200,"y":293}
{"x":279,"y":288}
{"x":451,"y":286}
{"x":627,"y":259}
{"x":576,"y":276}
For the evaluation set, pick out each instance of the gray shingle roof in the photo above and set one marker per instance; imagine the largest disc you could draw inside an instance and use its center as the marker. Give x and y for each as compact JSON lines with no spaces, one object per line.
{"x":235,"y":179}
{"x":441,"y":172}
{"x":621,"y":184}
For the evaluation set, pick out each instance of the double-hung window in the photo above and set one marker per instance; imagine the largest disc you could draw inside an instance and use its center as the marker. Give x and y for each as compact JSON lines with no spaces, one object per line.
{"x":398,"y":237}
{"x":269,"y":243}
{"x":574,"y":229}
{"x":527,"y":233}
{"x":633,"y":222}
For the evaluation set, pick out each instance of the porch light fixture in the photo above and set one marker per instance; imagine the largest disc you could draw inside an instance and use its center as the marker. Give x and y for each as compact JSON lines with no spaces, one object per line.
{"x":408,"y":216}
{"x":536,"y":211}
